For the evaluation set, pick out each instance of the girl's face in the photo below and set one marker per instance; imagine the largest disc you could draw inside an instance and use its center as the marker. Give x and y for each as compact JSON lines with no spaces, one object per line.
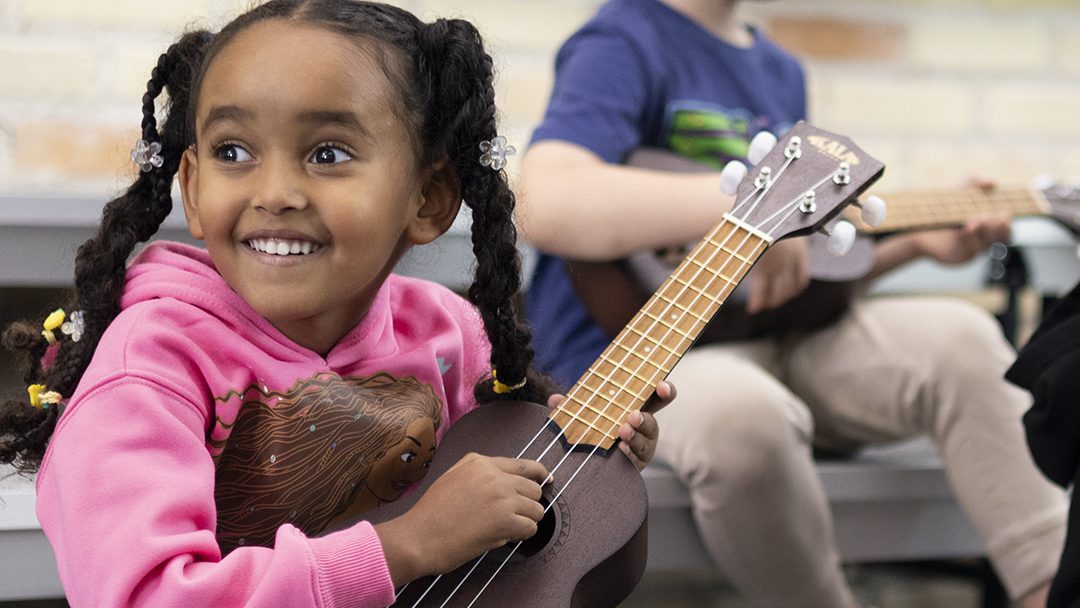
{"x":303,"y":182}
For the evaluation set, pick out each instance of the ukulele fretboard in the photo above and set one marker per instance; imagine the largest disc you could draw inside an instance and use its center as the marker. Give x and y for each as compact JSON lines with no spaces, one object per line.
{"x":934,"y":209}
{"x":646,"y":350}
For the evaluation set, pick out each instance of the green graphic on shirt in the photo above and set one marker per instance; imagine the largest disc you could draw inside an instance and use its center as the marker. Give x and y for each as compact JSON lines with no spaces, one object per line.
{"x":709,"y":136}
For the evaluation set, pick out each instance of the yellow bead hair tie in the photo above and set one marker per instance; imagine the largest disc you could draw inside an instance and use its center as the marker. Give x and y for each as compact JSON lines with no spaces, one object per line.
{"x":503,"y":389}
{"x":40,"y":398}
{"x":51,"y":324}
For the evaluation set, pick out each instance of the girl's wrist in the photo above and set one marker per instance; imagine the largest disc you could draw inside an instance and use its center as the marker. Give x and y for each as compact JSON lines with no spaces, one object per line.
{"x":403,"y":554}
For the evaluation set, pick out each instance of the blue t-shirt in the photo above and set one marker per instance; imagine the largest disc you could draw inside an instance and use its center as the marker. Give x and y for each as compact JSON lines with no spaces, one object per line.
{"x":640,"y":74}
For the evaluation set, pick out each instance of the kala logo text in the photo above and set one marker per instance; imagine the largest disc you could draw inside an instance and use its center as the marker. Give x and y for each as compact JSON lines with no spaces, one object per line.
{"x":834,"y":149}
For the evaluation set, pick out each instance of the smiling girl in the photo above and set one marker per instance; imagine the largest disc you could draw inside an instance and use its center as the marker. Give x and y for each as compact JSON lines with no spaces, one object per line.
{"x":206,"y":414}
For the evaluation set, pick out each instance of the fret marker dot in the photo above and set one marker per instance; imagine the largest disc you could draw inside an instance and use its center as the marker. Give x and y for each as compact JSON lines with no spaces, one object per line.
{"x":611,"y":392}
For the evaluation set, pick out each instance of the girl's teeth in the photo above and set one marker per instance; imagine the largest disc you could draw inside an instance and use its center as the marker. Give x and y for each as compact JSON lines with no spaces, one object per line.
{"x":282,"y":247}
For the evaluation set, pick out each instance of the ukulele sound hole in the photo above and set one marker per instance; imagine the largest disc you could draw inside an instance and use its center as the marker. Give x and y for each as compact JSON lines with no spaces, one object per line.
{"x":545,"y":530}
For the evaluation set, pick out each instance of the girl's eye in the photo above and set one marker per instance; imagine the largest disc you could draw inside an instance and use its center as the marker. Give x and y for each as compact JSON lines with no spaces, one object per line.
{"x":329,"y":155}
{"x":408,"y":456}
{"x":232,"y":153}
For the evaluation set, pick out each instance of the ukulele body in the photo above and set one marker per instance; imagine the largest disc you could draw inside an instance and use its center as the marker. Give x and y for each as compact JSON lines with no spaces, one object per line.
{"x":590,"y":550}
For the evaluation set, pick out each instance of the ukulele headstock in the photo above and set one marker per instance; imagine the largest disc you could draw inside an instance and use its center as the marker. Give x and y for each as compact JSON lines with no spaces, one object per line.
{"x":803,"y":182}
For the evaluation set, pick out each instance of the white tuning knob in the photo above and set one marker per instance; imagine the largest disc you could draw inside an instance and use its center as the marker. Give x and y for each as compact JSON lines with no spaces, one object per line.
{"x":731,"y":176}
{"x":873,"y":211}
{"x":841,"y":238}
{"x":762,"y":143}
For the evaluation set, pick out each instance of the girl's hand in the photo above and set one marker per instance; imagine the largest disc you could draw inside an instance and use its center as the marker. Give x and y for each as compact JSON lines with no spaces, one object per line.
{"x":479,"y":504}
{"x":640,"y":432}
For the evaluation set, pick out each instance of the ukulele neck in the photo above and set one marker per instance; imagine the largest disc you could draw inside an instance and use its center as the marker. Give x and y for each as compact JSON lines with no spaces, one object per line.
{"x":645,"y":351}
{"x":933,"y":209}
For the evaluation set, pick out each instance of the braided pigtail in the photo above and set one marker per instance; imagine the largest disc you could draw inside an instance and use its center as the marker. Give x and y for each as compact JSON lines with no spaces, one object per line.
{"x":100,"y":264}
{"x":461,"y":115}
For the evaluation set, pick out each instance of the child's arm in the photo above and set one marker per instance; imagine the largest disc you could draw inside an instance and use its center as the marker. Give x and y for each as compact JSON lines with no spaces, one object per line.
{"x":948,"y":245}
{"x":576,"y":205}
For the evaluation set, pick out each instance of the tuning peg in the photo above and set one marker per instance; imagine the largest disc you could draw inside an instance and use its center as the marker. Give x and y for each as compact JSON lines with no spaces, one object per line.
{"x":873,"y":211}
{"x":762,"y":143}
{"x":841,"y":238}
{"x":731,"y":176}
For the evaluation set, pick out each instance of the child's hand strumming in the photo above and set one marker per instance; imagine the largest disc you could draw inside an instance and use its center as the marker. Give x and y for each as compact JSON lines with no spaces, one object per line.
{"x":479,"y":504}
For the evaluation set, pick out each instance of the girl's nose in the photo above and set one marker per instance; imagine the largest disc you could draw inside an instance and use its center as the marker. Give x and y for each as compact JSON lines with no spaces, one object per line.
{"x":279,"y":188}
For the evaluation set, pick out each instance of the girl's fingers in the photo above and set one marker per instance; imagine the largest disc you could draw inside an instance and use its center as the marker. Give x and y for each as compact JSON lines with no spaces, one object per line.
{"x":665,"y":394}
{"x":529,"y":469}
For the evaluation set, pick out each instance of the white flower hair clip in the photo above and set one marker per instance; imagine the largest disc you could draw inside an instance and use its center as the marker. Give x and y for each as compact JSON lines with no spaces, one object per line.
{"x":147,"y":155}
{"x":495,"y":152}
{"x":74,"y":327}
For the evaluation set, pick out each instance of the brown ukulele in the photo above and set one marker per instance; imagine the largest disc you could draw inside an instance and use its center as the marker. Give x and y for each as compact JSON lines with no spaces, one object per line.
{"x":590,"y":549}
{"x":613,"y":291}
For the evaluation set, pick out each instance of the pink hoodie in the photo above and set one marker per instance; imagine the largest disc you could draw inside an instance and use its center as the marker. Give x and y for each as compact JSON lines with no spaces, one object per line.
{"x":204,"y":450}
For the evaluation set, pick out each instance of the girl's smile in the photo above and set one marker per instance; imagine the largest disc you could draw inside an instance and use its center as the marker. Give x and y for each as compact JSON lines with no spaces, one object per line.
{"x":279,"y":247}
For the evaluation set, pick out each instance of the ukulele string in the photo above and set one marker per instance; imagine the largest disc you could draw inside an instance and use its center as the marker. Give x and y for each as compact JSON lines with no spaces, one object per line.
{"x":761,"y":192}
{"x":794,"y":207}
{"x":764,"y":189}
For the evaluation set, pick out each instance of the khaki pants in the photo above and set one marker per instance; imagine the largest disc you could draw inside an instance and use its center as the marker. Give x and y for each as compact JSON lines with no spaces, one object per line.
{"x":740,"y":435}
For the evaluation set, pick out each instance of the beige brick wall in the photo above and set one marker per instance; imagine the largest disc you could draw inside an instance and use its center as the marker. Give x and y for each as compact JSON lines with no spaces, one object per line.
{"x":938,"y":89}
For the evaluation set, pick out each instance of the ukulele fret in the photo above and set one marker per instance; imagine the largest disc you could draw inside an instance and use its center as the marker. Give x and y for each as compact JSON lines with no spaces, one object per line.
{"x":666,"y":323}
{"x":712,"y":273}
{"x":648,"y":349}
{"x":612,"y":391}
{"x":600,"y":413}
{"x":630,"y":360}
{"x":697,"y":291}
{"x":734,"y":254}
{"x":700,"y":318}
{"x":604,"y":368}
{"x":590,"y":427}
